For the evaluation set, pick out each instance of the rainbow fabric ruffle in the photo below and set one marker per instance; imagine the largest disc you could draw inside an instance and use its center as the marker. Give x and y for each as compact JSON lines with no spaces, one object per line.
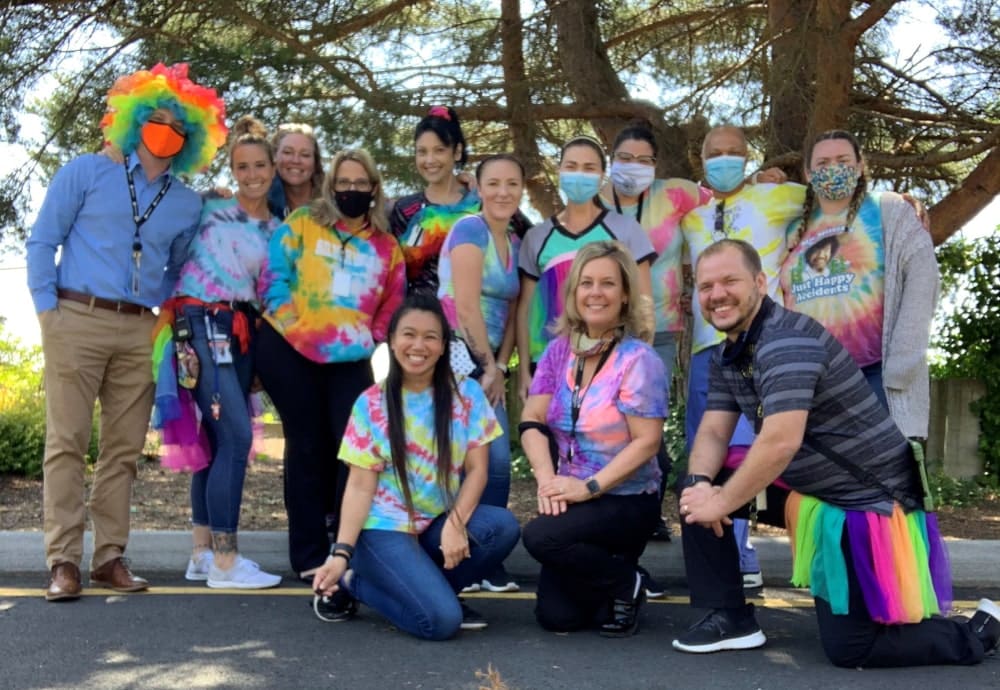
{"x":900,"y":560}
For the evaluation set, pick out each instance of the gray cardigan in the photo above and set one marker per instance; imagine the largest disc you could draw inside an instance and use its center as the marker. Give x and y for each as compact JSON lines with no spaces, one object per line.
{"x":911,"y":291}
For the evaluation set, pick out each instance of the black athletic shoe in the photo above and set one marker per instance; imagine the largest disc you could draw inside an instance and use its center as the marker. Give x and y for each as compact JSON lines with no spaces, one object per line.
{"x":661,"y":532}
{"x":654,"y":589}
{"x":985,"y":625}
{"x":337,"y":608}
{"x":721,"y":630}
{"x":625,"y":613}
{"x":471,"y":619}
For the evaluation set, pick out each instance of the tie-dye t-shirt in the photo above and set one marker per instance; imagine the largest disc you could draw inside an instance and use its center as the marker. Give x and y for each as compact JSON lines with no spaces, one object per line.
{"x":632,"y":382}
{"x":366,"y":444}
{"x":499,"y":282}
{"x":421,"y":228}
{"x":758,"y":214}
{"x":662,"y":207}
{"x":547,"y":253}
{"x":328,"y":292}
{"x":227,"y":255}
{"x":836,"y":275}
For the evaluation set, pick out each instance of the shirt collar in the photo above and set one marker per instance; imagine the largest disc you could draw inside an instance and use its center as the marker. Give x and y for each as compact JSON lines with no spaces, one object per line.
{"x":134,"y":162}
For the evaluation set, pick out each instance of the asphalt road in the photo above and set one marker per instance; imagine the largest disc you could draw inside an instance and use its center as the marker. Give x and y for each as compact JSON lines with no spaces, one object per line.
{"x":184,"y":636}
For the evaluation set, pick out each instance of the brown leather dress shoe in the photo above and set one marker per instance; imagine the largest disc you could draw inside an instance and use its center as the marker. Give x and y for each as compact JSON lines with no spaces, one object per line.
{"x":115,"y":575}
{"x":64,"y":584}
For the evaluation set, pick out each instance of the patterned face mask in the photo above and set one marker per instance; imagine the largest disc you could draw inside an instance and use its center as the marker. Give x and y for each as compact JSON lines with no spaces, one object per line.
{"x":834,"y":182}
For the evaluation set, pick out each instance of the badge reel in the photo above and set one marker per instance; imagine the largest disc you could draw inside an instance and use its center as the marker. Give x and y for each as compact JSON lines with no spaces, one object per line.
{"x":218,"y":344}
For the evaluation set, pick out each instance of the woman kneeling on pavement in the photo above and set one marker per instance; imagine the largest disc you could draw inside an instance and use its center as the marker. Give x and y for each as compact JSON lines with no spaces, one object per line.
{"x":591,"y":427}
{"x":412,"y":531}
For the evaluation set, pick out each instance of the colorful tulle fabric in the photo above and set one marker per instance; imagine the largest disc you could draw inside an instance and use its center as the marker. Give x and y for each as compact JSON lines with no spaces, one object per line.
{"x":133,"y":98}
{"x":900,"y":560}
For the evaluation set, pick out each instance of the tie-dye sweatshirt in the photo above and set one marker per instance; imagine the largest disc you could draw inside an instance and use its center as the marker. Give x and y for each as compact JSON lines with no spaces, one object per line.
{"x":331,"y":293}
{"x":226,"y":257}
{"x":366,"y":444}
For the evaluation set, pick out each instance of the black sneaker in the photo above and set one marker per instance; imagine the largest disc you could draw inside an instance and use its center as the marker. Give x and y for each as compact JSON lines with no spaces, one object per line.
{"x":625,"y":613}
{"x":654,"y":589}
{"x":721,"y":630}
{"x":338,"y":607}
{"x":661,"y":532}
{"x":985,"y":625}
{"x":471,"y":619}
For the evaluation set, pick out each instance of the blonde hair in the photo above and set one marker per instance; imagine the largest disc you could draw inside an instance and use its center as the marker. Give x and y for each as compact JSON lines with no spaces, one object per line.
{"x":248,"y":130}
{"x":309,"y":133}
{"x":324,"y":209}
{"x":635,"y":311}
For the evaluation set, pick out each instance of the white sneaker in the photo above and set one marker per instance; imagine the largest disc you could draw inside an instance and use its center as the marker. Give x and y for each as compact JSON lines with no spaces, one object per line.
{"x":502,"y":587}
{"x":470,"y":589}
{"x":197,"y":570}
{"x":753,"y":580}
{"x":245,"y":574}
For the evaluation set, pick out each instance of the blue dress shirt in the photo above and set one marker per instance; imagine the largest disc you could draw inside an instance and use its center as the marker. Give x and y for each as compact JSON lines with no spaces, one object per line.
{"x":88,"y":213}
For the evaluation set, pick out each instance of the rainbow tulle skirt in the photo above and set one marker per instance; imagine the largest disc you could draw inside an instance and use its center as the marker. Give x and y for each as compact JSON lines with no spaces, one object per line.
{"x":900,"y":560}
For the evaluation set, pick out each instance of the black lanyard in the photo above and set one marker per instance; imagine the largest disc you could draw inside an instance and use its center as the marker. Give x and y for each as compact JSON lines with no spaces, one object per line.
{"x":140,"y":220}
{"x":344,"y":241}
{"x":618,"y":206}
{"x":578,"y":395}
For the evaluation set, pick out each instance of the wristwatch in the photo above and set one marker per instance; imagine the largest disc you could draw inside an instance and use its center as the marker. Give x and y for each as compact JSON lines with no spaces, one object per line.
{"x":692,"y":479}
{"x":593,"y":487}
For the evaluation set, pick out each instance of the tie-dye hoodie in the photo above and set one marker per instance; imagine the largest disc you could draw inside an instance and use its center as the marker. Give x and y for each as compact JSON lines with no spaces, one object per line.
{"x":330,"y":293}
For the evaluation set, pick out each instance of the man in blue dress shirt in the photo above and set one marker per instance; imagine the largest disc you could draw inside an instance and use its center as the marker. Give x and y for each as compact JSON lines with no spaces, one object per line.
{"x":122,"y":232}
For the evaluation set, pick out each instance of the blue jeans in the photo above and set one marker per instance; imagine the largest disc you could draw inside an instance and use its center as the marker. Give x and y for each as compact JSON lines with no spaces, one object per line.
{"x":403,"y":577}
{"x":698,"y":400}
{"x":665,"y":344}
{"x":873,"y":375}
{"x":497,"y":490}
{"x":217,"y":490}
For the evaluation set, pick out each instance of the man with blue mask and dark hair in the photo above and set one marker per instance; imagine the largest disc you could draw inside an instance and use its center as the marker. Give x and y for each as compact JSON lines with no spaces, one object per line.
{"x":757,"y":213}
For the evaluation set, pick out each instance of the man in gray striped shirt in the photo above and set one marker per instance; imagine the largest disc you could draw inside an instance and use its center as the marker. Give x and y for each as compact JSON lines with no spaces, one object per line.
{"x":821,"y":432}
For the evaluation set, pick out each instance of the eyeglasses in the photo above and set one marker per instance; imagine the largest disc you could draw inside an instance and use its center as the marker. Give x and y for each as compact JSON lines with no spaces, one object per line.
{"x":719,"y":232}
{"x":625,"y":157}
{"x":342,"y":184}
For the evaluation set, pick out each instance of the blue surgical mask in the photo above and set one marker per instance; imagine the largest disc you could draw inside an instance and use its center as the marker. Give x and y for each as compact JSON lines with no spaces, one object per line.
{"x":579,"y":187}
{"x":725,"y":173}
{"x":631,"y":179}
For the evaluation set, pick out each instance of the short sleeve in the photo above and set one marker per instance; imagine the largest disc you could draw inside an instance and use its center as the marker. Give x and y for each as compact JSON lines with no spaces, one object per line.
{"x":628,"y":231}
{"x":469,"y":230}
{"x":478,"y":418}
{"x":359,"y":446}
{"x":551,"y":368}
{"x":527,"y":259}
{"x":787,"y":372}
{"x":643,"y":391}
{"x":720,"y":396}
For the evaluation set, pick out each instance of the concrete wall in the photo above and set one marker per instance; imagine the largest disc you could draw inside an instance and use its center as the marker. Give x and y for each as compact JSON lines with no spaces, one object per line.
{"x":953,"y":437}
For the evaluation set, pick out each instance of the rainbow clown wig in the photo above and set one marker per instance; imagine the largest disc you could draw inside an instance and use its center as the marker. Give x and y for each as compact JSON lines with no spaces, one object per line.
{"x":133,"y":99}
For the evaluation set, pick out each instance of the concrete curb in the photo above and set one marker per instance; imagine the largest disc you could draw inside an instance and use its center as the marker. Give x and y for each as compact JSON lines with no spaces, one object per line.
{"x":975,"y":563}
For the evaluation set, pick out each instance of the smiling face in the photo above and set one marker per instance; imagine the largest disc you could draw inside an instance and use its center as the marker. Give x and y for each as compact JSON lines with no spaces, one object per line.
{"x":600,"y":294}
{"x":435,"y":159}
{"x":820,"y":258}
{"x":417,"y":344}
{"x":729,"y":294}
{"x":253,"y":170}
{"x":296,"y":159}
{"x":500,"y":188}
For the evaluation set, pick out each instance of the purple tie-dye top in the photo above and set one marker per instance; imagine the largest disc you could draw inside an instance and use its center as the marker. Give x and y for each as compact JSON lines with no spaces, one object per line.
{"x":632,"y":382}
{"x":227,"y":255}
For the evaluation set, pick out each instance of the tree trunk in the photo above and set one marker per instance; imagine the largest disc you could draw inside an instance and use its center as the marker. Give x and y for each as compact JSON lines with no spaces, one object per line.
{"x":969,"y":198}
{"x":791,"y":79}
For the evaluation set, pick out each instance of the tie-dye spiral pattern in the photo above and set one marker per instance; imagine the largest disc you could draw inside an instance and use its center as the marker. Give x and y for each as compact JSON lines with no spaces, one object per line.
{"x":366,"y":444}
{"x":837,"y":276}
{"x":329,"y":293}
{"x":758,"y":214}
{"x":633,"y":382}
{"x":227,"y":255}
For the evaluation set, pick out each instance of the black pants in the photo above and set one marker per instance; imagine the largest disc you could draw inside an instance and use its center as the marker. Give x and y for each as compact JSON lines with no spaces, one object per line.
{"x":588,"y":556}
{"x":851,"y":640}
{"x":314,"y":402}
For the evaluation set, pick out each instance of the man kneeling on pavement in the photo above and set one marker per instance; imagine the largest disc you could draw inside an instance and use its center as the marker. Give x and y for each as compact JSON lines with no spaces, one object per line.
{"x":862,"y":541}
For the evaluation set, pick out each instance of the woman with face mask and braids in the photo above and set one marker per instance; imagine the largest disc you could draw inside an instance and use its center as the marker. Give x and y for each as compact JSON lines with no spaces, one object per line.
{"x":876,"y":292}
{"x":334,"y":276}
{"x":548,"y":248}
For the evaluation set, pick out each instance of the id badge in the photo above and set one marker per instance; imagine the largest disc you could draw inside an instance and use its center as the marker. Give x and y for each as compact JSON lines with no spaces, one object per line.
{"x":324,"y":248}
{"x":342,"y":284}
{"x":218,"y":343}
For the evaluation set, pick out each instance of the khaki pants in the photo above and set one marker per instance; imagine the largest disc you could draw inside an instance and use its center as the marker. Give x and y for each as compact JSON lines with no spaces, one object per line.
{"x":93,"y":354}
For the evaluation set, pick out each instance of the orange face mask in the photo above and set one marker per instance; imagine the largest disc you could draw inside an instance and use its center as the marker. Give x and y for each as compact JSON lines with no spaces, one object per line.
{"x":161,"y":139}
